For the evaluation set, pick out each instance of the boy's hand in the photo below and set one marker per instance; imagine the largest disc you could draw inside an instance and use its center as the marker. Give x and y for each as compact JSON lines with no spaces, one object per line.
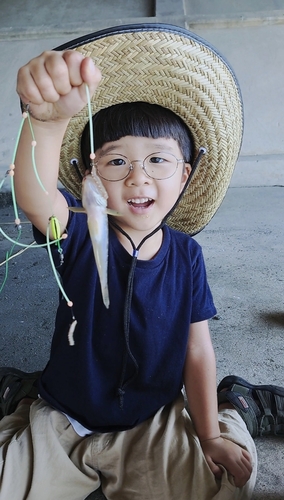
{"x":235,"y":459}
{"x":53,"y":84}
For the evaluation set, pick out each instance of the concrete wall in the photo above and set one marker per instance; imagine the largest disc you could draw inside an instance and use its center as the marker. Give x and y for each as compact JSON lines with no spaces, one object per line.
{"x":250,"y":33}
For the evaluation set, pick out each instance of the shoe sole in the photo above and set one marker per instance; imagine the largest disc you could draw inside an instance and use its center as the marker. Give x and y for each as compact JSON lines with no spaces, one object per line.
{"x":233,"y":379}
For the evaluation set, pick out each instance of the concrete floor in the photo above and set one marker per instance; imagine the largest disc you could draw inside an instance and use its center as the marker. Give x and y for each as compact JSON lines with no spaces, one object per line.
{"x":243,"y":244}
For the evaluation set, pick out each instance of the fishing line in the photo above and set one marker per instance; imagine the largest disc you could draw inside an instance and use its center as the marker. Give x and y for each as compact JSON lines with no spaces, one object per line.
{"x":11,"y":171}
{"x":27,"y":246}
{"x":8,"y":257}
{"x":69,"y":302}
{"x":92,"y":148}
{"x":16,"y":254}
{"x":33,"y":144}
{"x":53,"y":228}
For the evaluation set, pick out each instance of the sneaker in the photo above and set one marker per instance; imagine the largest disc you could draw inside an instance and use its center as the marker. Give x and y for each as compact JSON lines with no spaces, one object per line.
{"x":260,"y":406}
{"x":14,"y":386}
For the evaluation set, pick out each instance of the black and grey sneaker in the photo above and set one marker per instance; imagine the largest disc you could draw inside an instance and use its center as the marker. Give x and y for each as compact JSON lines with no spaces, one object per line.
{"x":14,"y":386}
{"x":260,"y":406}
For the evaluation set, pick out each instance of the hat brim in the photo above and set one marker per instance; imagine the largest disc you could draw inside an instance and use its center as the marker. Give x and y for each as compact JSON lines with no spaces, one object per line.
{"x":172,"y":67}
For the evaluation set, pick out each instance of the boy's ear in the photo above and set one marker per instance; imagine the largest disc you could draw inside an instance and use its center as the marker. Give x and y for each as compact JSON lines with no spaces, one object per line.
{"x":188,"y":168}
{"x":186,"y":172}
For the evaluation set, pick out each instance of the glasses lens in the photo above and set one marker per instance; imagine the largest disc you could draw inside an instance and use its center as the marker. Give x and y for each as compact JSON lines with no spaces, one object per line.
{"x":160,"y":165}
{"x":113,"y":167}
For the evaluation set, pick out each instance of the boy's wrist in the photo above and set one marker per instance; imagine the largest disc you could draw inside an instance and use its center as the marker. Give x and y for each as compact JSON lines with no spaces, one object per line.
{"x":47,"y":118}
{"x":26,"y":109}
{"x":203,"y":440}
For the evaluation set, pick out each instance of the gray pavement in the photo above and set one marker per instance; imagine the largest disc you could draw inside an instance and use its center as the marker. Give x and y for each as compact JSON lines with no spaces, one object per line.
{"x":243,"y":244}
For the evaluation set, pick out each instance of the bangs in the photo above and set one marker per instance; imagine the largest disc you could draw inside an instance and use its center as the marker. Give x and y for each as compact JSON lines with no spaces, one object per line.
{"x":138,"y":119}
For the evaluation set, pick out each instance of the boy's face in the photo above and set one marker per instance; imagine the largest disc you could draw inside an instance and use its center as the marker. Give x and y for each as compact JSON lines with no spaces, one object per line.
{"x":142,"y":200}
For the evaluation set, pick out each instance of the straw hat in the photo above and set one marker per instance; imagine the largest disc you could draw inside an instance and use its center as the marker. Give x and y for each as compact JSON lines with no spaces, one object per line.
{"x":172,"y":67}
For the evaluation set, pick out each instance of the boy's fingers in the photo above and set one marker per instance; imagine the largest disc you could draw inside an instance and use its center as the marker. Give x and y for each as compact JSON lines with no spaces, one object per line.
{"x":242,"y":469}
{"x":57,"y":76}
{"x":43,"y":78}
{"x":217,"y":471}
{"x":54,"y":84}
{"x":82,"y":70}
{"x":73,"y":60}
{"x":90,"y":74}
{"x":53,"y":74}
{"x":49,"y":76}
{"x":27,"y":88}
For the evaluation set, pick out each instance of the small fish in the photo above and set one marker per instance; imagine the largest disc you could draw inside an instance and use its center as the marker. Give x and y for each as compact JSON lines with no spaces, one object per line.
{"x":94,"y":201}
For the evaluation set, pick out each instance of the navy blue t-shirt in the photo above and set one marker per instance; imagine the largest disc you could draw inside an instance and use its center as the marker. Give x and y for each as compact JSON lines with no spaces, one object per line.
{"x":170,"y":292}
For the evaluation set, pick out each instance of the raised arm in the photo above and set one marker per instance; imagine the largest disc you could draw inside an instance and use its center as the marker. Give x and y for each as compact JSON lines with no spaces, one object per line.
{"x":53,"y":84}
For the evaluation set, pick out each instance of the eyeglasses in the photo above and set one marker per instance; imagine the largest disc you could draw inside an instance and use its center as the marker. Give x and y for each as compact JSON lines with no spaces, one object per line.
{"x":116,"y":167}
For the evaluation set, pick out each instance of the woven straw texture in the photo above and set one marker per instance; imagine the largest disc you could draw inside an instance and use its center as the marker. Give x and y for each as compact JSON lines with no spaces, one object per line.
{"x":185,"y":75}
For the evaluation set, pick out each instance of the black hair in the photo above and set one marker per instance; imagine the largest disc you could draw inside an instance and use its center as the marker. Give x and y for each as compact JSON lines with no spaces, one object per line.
{"x":138,"y":119}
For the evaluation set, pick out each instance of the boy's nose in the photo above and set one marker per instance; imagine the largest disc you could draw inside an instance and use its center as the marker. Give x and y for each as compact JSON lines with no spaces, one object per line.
{"x":137,"y":174}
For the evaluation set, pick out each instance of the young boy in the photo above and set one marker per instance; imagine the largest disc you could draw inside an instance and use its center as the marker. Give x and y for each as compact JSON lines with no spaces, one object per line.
{"x":110,"y":410}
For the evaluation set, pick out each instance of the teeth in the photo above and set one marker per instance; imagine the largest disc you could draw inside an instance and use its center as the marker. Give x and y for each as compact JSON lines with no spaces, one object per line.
{"x":139,"y":200}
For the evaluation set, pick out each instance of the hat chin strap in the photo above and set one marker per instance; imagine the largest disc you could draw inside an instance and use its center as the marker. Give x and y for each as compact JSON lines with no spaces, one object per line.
{"x":129,"y":291}
{"x":202,"y":151}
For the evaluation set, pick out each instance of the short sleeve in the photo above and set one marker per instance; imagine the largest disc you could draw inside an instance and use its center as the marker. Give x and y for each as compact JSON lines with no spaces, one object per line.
{"x":203,"y":305}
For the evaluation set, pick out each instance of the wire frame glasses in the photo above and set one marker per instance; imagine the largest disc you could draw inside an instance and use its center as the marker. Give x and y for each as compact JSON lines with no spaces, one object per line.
{"x":116,"y":167}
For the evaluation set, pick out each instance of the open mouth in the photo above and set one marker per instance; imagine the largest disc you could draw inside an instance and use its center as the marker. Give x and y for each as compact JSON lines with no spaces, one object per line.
{"x":140,"y":202}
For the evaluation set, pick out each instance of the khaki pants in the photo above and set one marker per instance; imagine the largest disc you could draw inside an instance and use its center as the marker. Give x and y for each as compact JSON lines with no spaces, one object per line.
{"x":42,"y":458}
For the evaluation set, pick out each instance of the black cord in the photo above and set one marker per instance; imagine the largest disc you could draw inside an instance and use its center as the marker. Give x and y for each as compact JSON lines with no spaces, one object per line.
{"x":74,"y":163}
{"x":129,"y":291}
